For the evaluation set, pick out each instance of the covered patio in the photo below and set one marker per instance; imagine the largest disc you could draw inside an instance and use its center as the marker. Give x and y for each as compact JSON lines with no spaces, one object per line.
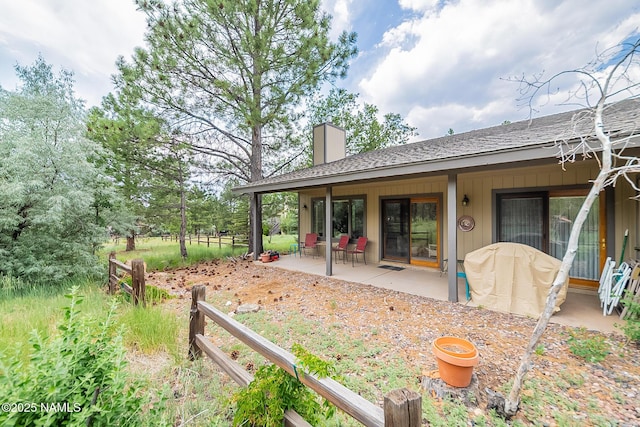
{"x":581,"y":308}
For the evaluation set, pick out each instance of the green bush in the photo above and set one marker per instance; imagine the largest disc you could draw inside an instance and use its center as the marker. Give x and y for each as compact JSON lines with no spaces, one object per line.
{"x":631,"y":326}
{"x":273,"y":391}
{"x":593,"y":348}
{"x":77,"y":378}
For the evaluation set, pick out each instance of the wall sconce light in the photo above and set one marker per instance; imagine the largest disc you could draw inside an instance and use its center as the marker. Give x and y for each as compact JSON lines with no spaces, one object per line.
{"x":304,"y":207}
{"x":465,"y":200}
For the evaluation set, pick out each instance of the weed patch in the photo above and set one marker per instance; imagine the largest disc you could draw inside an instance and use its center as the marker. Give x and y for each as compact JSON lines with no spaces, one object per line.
{"x":82,"y":370}
{"x":592,"y":348}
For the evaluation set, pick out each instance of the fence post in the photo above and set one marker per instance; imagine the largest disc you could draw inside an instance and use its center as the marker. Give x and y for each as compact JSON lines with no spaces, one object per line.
{"x":208,"y":240}
{"x":402,"y":408}
{"x":137,"y":282}
{"x":112,"y":272}
{"x":233,"y":242}
{"x":196,"y":321}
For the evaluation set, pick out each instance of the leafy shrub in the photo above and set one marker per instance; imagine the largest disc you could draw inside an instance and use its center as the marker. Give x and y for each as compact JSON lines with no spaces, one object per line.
{"x":631,"y":326}
{"x":273,"y":391}
{"x":80,"y":374}
{"x":591,"y":348}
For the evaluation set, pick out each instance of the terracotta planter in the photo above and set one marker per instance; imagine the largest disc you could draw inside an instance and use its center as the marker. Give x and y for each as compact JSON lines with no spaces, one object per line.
{"x":456,"y":358}
{"x":265,"y":257}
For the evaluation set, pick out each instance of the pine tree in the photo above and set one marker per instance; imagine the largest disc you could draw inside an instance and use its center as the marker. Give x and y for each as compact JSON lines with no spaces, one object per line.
{"x":232,"y":73}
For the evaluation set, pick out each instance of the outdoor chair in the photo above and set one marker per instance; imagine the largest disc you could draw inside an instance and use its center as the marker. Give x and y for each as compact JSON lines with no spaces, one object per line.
{"x":310,"y":242}
{"x":341,"y":247}
{"x":361,"y":245}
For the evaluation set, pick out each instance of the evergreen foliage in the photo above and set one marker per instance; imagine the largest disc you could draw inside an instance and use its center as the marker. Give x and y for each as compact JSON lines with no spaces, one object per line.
{"x":364,"y":130}
{"x":231,"y":75}
{"x":56,"y":203}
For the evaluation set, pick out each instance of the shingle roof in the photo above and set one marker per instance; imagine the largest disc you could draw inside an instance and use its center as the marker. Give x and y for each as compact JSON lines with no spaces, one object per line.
{"x":455,"y":151}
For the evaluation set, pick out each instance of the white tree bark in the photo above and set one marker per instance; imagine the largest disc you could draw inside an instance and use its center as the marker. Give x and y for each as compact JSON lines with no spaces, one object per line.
{"x":618,"y":79}
{"x":513,"y":401}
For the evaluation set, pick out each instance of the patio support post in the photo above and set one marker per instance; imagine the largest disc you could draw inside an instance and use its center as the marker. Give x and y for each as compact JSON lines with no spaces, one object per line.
{"x":328,"y":229}
{"x":257,"y":228}
{"x":452,"y":237}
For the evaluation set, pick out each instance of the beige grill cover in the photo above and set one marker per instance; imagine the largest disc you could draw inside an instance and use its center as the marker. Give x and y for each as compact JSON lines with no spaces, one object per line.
{"x":512,"y":277}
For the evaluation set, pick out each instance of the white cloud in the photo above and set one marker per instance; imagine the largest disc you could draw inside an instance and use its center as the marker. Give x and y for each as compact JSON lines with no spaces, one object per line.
{"x":83,"y":36}
{"x":418,"y":5}
{"x":341,"y":15}
{"x":452,"y":58}
{"x":439,"y":63}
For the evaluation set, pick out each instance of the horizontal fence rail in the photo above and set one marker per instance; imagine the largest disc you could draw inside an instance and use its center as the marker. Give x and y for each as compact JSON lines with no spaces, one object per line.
{"x":402,"y":407}
{"x":209,"y":240}
{"x":137,"y":290}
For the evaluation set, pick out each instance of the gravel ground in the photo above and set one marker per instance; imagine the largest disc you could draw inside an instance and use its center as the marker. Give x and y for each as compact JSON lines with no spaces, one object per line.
{"x":410,"y":323}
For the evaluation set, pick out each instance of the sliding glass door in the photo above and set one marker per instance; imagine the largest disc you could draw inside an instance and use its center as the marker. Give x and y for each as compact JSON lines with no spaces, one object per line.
{"x":410,"y":230}
{"x":424,"y":232}
{"x":522,"y":220}
{"x":395,"y":230}
{"x":543,"y":220}
{"x":562,"y":211}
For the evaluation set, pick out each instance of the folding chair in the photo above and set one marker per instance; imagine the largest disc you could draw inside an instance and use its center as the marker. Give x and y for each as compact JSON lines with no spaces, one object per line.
{"x":341,"y":247}
{"x":310,"y":242}
{"x":361,"y":245}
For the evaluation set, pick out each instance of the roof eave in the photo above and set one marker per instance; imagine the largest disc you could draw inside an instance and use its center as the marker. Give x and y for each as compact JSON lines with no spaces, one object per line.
{"x":431,"y":166}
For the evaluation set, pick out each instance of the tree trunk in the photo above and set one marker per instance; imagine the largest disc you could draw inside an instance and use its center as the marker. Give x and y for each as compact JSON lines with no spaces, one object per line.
{"x":255,"y":217}
{"x":183,"y":214}
{"x":513,"y":401}
{"x":131,"y":241}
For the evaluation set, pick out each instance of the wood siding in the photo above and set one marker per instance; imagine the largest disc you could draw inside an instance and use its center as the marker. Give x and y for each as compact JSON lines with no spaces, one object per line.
{"x":479,"y":187}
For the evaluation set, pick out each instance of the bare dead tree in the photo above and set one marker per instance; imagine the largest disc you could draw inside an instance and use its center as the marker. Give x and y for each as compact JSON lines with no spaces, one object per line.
{"x":601,"y":87}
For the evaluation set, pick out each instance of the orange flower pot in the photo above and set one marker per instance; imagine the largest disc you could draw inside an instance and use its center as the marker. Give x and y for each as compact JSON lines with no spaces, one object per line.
{"x":265,"y":257}
{"x":456,"y":346}
{"x":456,"y":358}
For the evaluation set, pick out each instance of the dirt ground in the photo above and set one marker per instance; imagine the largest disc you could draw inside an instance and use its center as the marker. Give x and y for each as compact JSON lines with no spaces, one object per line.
{"x":410,"y":323}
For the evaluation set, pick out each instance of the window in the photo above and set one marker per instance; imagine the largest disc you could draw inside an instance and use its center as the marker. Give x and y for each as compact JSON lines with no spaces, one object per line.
{"x":348,"y":217}
{"x":543,"y":220}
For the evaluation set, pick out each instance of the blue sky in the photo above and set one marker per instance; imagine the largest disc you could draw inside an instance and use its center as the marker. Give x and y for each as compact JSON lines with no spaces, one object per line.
{"x":440,"y":64}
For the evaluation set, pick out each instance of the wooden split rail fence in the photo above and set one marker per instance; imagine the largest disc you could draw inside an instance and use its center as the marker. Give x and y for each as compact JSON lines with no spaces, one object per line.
{"x":402,"y":408}
{"x":233,"y":241}
{"x":136,"y":270}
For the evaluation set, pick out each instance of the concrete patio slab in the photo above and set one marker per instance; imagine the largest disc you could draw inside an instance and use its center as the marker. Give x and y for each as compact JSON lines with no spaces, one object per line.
{"x":581,"y":308}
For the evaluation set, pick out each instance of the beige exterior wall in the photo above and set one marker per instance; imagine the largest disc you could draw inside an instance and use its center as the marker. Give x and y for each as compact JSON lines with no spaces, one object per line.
{"x":627,"y":217}
{"x":373,"y":192}
{"x":479,"y":188}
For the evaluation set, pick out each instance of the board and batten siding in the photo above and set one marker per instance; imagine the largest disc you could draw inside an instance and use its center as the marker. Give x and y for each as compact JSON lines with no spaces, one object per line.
{"x":373,"y":192}
{"x":479,"y":187}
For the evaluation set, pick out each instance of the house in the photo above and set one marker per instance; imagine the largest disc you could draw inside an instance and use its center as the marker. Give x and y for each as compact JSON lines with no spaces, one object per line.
{"x":439,"y":199}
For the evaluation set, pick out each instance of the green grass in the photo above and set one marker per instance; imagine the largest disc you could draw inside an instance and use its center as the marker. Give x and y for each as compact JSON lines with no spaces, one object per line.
{"x":161,"y":254}
{"x":150,"y":330}
{"x":39,"y":308}
{"x":279,"y":242}
{"x":24,"y":308}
